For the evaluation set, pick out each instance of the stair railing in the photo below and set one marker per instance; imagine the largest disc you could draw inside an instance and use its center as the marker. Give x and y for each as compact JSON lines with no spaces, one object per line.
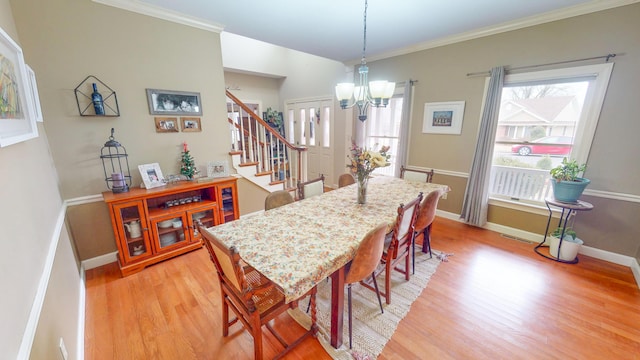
{"x":263,"y":146}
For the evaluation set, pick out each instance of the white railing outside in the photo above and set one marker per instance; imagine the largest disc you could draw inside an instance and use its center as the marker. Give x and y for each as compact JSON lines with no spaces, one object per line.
{"x":520,"y":183}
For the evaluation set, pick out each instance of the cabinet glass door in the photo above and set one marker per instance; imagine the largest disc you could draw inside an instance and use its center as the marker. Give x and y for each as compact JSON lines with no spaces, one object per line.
{"x":228,"y":202}
{"x":133,"y":232}
{"x":206,"y":216}
{"x":169,"y":231}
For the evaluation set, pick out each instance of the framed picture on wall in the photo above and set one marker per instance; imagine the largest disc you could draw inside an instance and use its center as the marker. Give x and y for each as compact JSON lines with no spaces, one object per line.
{"x":190,"y":124}
{"x":169,"y":102}
{"x":443,"y":117}
{"x":166,"y":124}
{"x":33,"y":86}
{"x":17,"y":121}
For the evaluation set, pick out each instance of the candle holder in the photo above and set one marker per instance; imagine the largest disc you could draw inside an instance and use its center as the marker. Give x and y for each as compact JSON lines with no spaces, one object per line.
{"x":115,"y":163}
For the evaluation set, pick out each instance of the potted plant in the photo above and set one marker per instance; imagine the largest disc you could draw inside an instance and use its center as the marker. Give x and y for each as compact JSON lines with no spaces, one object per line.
{"x":568,"y":185}
{"x":570,"y":244}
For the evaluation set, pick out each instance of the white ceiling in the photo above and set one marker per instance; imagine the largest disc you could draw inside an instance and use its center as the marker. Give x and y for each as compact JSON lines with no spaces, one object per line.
{"x":334,"y":28}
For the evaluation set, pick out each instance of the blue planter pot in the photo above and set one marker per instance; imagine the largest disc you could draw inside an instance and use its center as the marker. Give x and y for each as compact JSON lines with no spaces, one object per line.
{"x":569,"y":191}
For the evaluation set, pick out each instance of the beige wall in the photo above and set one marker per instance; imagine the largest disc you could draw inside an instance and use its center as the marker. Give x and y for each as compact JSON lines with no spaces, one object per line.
{"x":613,"y":166}
{"x":61,"y":307}
{"x":254,"y":88}
{"x":64,"y":41}
{"x":30,"y":210}
{"x":67,"y":40}
{"x":90,"y":227}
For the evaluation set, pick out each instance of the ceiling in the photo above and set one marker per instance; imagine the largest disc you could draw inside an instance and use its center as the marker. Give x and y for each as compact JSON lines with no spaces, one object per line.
{"x":334,"y":28}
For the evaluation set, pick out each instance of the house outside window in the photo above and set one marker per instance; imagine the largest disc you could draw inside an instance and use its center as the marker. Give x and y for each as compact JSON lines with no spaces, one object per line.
{"x":544,"y":116}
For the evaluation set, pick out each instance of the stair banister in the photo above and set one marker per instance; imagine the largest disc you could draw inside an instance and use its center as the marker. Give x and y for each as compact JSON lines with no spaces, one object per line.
{"x":254,"y":142}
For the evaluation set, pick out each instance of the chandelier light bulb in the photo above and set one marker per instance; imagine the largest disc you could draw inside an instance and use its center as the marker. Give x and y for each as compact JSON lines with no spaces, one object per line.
{"x":364,"y":93}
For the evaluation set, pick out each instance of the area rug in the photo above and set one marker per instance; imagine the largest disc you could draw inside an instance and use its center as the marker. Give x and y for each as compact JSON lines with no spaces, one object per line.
{"x":371,"y":329}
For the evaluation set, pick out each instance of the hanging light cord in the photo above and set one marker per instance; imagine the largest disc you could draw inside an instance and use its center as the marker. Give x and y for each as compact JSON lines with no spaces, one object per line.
{"x":364,"y":43}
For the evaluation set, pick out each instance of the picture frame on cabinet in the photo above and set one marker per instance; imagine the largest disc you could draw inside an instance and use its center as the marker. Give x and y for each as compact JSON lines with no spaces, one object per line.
{"x":170,"y":102}
{"x":17,"y":120}
{"x":151,"y":175}
{"x":216,"y":169}
{"x":443,"y":117}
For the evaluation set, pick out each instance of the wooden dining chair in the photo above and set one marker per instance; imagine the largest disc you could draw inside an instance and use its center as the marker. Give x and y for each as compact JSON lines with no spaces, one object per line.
{"x":345,"y":180}
{"x":364,"y":263}
{"x":398,"y":244}
{"x":424,"y":220}
{"x":253,"y":298}
{"x":311,"y":188}
{"x":276,"y":199}
{"x":416,"y":175}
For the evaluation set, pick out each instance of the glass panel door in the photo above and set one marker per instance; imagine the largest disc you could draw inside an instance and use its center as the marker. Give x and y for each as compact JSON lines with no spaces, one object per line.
{"x":133,"y":231}
{"x":207,"y":217}
{"x":169,"y":231}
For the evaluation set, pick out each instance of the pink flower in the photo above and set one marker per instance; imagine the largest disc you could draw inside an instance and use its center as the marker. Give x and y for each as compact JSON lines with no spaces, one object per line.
{"x":184,"y":146}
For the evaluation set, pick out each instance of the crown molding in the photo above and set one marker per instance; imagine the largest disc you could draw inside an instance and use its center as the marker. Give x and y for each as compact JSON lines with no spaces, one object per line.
{"x":572,"y":11}
{"x":164,"y":14}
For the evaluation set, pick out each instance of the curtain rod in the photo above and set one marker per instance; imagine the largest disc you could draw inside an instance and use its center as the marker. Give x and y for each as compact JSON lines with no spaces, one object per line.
{"x":487,"y":73}
{"x":402,"y":83}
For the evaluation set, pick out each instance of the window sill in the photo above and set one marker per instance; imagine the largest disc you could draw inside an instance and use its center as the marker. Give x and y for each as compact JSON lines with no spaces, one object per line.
{"x":538,"y":209}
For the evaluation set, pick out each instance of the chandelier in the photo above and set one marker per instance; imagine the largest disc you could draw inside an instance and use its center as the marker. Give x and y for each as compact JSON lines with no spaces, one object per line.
{"x":364,"y":93}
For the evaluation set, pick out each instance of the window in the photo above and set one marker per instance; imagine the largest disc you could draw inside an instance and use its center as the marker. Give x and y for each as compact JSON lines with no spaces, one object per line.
{"x":303,"y":137}
{"x":544,"y":116}
{"x":382,"y":128}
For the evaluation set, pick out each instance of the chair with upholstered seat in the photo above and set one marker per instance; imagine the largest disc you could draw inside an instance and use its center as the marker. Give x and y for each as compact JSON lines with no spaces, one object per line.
{"x":277,"y":198}
{"x":425,"y":218}
{"x":364,"y":263}
{"x":311,"y":188}
{"x":253,"y":298}
{"x":416,"y":175}
{"x":345,"y":180}
{"x":398,"y":245}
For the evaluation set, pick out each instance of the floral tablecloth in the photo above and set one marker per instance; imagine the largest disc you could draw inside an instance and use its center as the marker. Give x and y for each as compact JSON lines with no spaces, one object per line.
{"x":302,"y":243}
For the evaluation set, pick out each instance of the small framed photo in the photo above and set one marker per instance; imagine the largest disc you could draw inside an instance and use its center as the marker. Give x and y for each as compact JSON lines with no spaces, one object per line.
{"x":169,"y":102}
{"x":190,"y":124}
{"x":216,"y":169}
{"x":443,"y":117}
{"x":166,"y":124}
{"x":151,"y":175}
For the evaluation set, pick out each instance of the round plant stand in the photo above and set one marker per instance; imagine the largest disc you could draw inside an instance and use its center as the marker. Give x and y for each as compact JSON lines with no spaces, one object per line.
{"x":568,"y":209}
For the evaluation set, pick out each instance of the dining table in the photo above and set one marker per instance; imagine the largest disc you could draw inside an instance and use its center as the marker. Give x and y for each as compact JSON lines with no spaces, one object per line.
{"x":300,"y":244}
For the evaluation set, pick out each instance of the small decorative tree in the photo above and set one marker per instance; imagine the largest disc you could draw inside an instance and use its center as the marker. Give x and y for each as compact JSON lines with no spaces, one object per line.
{"x":188,"y":167}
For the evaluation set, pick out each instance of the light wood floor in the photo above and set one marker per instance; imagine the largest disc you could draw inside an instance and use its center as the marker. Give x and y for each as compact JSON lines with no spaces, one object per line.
{"x":494,"y":299}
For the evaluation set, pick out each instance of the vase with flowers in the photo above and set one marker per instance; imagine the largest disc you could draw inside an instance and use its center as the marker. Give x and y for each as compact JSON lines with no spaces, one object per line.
{"x":363,"y":162}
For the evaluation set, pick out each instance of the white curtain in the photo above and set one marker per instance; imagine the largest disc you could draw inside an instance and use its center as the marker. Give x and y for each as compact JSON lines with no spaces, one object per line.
{"x":476,"y":198}
{"x":403,"y":137}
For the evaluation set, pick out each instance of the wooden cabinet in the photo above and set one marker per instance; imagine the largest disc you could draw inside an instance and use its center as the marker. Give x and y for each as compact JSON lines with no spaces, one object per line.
{"x":157,"y":224}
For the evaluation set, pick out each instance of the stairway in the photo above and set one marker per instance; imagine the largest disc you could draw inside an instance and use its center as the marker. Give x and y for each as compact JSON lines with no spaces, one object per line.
{"x":259,"y":153}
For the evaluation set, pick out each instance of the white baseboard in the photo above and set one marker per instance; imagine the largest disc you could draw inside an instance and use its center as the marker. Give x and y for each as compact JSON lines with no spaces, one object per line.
{"x":81,"y":314}
{"x":34,"y":315}
{"x":635,"y":268}
{"x":99,"y":261}
{"x":611,"y":257}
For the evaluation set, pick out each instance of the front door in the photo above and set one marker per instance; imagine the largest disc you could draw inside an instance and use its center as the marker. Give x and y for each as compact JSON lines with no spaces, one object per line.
{"x":312,"y":124}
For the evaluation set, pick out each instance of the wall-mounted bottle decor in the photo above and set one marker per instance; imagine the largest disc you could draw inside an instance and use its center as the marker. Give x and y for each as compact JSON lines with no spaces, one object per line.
{"x":95,"y":98}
